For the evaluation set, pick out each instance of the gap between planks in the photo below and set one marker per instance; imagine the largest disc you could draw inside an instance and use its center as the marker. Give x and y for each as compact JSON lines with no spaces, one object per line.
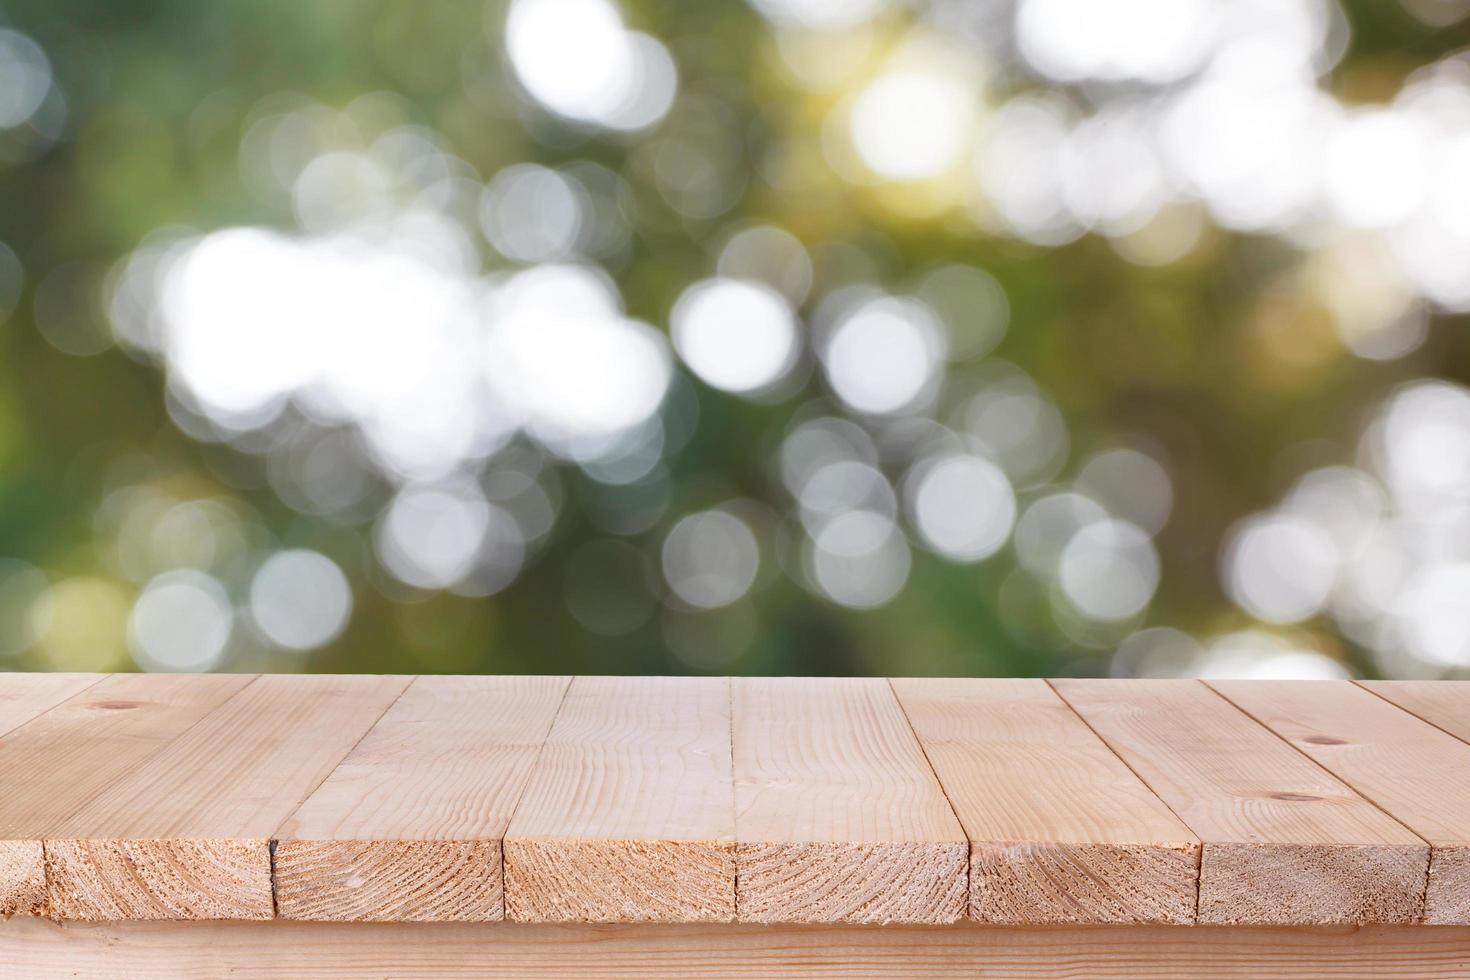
{"x":1199,"y":856}
{"x":274,"y":843}
{"x":954,"y":812}
{"x":734,"y":805}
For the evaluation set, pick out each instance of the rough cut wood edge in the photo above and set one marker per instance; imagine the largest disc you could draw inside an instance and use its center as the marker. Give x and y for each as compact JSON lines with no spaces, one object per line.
{"x":22,"y":878}
{"x":1060,"y":828}
{"x":35,"y":949}
{"x":873,"y":883}
{"x":1316,"y":884}
{"x":629,"y":813}
{"x":104,"y":880}
{"x":571,"y":880}
{"x":389,"y":881}
{"x":1447,"y":900}
{"x":1032,"y":883}
{"x":206,"y":806}
{"x":1412,"y":770}
{"x":838,"y":814}
{"x":74,"y":750}
{"x":436,"y":781}
{"x":1285,"y":869}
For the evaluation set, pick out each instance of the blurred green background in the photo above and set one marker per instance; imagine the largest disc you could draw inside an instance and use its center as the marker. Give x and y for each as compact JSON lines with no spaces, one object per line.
{"x":971,"y":338}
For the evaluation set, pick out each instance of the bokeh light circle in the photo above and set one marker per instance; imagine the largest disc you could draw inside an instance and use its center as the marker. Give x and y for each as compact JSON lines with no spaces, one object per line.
{"x":710,"y":559}
{"x":963,"y":507}
{"x":736,"y":335}
{"x":300,"y":599}
{"x":182,"y":621}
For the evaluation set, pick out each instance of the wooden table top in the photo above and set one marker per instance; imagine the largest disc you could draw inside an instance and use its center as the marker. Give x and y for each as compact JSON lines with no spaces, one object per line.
{"x":714,"y":800}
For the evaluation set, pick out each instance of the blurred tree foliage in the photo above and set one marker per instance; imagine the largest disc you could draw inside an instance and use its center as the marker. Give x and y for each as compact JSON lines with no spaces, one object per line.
{"x":158,"y":92}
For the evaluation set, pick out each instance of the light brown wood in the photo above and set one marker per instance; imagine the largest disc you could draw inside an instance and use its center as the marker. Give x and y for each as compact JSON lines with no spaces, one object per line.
{"x":24,"y":696}
{"x":629,"y":813}
{"x":1060,"y":830}
{"x":649,"y":800}
{"x":1284,"y":841}
{"x":838,"y":817}
{"x":186,"y":834}
{"x":1391,"y":758}
{"x":56,"y":762}
{"x":1444,"y":704}
{"x":34,"y":949}
{"x":408,"y":827}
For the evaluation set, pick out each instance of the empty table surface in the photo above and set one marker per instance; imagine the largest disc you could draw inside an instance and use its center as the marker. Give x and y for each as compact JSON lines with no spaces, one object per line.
{"x":852,"y":801}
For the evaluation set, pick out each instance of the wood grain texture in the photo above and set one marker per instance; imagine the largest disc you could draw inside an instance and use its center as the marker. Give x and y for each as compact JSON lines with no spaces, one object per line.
{"x":55,"y":763}
{"x":35,"y":949}
{"x":629,"y":812}
{"x":24,"y":696}
{"x":838,"y":817}
{"x":1060,"y":830}
{"x":702,"y":800}
{"x":186,"y":834}
{"x":408,"y":827}
{"x":1444,"y":704}
{"x":1285,"y":842}
{"x":1389,"y":756}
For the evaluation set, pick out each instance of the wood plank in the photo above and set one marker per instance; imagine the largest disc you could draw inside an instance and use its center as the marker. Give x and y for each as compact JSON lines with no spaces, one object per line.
{"x":838,"y":817}
{"x":186,"y":835}
{"x":1284,"y":841}
{"x":52,"y":765}
{"x":1061,"y":831}
{"x":408,"y":827}
{"x":24,"y":696}
{"x":1417,"y":773}
{"x":629,"y":814}
{"x":1444,"y":704}
{"x":35,"y":949}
